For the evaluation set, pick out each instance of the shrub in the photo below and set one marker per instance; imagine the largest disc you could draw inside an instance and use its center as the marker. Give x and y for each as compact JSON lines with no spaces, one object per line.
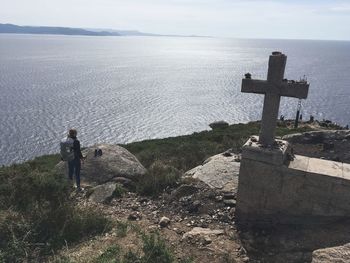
{"x":111,"y":255}
{"x":155,"y":250}
{"x":227,"y":258}
{"x":131,"y":257}
{"x":122,"y":228}
{"x":158,"y":177}
{"x":79,"y":223}
{"x":119,"y":191}
{"x":37,"y":216}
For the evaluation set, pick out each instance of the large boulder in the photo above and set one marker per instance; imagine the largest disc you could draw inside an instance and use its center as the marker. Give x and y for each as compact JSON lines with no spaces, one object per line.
{"x":115,"y":162}
{"x":219,"y":172}
{"x":340,"y":254}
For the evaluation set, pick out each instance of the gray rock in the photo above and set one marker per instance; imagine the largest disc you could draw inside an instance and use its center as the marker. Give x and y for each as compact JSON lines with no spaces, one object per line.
{"x":219,"y":198}
{"x":103,"y":193}
{"x":218,"y":125}
{"x":317,"y":136}
{"x":193,"y":208}
{"x":122,"y":180}
{"x":219,"y":172}
{"x":133,"y":216}
{"x":230,"y":202}
{"x":205,"y":240}
{"x":164,"y":221}
{"x":183,"y":190}
{"x":340,"y":254}
{"x":115,"y":162}
{"x":199,"y":231}
{"x":229,"y":195}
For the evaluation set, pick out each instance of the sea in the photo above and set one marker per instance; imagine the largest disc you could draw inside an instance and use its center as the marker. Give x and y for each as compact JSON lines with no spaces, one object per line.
{"x":124,"y":89}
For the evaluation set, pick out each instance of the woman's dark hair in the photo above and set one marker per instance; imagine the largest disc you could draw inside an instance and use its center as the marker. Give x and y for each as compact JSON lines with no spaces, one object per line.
{"x":72,"y":133}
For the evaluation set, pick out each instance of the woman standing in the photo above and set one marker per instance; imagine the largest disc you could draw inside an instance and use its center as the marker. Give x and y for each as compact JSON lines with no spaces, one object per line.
{"x":74,"y":165}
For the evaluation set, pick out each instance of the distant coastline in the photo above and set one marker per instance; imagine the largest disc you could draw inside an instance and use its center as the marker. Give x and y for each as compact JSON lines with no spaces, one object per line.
{"x":14,"y":29}
{"x":70,"y":31}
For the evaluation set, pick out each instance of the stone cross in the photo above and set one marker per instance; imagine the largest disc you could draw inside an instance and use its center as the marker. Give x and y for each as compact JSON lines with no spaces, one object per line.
{"x":273,"y":88}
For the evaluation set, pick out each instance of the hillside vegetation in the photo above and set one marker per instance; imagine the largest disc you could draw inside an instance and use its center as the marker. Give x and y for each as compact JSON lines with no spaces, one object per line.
{"x":38,"y":215}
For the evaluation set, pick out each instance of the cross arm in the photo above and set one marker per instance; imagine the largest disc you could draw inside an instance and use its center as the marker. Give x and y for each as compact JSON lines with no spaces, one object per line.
{"x":255,"y":86}
{"x":293,"y":89}
{"x":298,"y":90}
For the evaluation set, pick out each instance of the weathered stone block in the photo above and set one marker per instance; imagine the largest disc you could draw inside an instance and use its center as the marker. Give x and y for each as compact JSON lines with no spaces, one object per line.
{"x":305,"y":188}
{"x":329,"y":168}
{"x":276,"y":154}
{"x":346,"y":171}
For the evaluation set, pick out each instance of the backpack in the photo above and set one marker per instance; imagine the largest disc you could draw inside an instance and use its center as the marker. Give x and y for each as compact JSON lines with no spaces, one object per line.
{"x":67,"y":153}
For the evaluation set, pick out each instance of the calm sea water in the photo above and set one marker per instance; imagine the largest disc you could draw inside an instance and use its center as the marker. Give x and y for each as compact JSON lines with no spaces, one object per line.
{"x":124,"y":89}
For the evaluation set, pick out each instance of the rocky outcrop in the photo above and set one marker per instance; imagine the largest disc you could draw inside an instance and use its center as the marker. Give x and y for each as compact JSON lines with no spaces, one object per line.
{"x":102,"y":193}
{"x":340,"y":254}
{"x":218,"y":125}
{"x":318,"y":136}
{"x":219,"y":171}
{"x":115,"y":162}
{"x":327,"y":144}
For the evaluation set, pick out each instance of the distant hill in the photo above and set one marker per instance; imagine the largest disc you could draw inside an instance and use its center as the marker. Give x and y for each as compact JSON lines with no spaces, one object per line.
{"x":124,"y":32}
{"x":14,"y":29}
{"x":137,"y":33}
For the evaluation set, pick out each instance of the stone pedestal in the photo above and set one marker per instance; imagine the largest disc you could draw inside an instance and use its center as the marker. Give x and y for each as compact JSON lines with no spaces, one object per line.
{"x":276,"y":154}
{"x":274,"y":189}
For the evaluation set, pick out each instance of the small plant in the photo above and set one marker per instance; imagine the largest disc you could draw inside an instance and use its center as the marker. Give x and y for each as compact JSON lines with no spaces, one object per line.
{"x":227,"y":258}
{"x":119,"y":191}
{"x":111,"y":255}
{"x":187,"y":260}
{"x":155,"y":249}
{"x":61,"y":260}
{"x":131,"y":257}
{"x":122,"y":229}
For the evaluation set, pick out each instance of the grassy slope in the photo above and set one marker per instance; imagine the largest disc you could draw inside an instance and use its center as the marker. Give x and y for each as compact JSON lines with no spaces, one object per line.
{"x":181,"y":152}
{"x":186,"y":152}
{"x":45,"y":196}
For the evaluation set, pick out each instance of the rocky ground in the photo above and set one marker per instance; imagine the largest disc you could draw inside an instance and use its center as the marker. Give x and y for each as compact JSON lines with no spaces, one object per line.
{"x":197,"y":218}
{"x":196,"y":221}
{"x":330,"y":145}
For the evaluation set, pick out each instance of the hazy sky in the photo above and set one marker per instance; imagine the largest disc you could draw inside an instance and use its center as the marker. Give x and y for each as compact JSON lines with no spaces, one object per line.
{"x":308,"y":19}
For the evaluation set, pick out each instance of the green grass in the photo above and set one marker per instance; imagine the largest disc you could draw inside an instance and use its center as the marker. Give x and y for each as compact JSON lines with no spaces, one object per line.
{"x":37,"y":216}
{"x":119,"y":191}
{"x":122,"y":228}
{"x":186,"y":152}
{"x":110,"y":255}
{"x":166,"y":159}
{"x":154,"y":249}
{"x":158,"y":177}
